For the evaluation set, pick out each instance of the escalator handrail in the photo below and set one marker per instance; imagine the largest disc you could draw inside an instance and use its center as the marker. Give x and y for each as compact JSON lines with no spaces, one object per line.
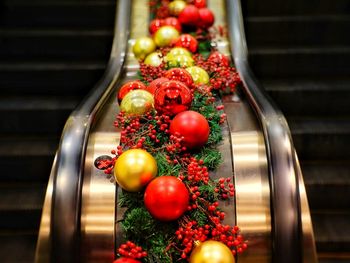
{"x":284,"y":183}
{"x":68,"y":171}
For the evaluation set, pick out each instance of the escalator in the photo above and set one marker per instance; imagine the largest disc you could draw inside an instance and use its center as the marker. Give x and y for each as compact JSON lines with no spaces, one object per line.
{"x":80,"y":210}
{"x":51,"y":54}
{"x":306,"y":71}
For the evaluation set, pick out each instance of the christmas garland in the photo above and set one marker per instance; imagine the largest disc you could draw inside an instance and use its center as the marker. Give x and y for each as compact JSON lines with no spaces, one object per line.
{"x":170,"y":123}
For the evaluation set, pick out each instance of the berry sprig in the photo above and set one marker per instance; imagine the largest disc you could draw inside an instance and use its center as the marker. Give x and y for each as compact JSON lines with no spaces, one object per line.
{"x":131,"y":250}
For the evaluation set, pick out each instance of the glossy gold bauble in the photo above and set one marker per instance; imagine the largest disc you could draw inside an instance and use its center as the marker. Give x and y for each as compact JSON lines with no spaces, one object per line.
{"x":176,"y":7}
{"x":143,"y":46}
{"x":153,"y":59}
{"x":180,"y":61}
{"x":165,"y":36}
{"x":134,"y":169}
{"x":137,"y":102}
{"x":176,"y":51}
{"x":199,"y":75}
{"x":211,"y":252}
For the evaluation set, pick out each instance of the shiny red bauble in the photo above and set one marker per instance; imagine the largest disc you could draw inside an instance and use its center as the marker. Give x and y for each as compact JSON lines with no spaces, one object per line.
{"x":181,"y":75}
{"x":129,"y":86}
{"x":200,"y":3}
{"x":194,"y":128}
{"x":187,"y":41}
{"x":172,"y":97}
{"x":155,"y":25}
{"x":206,"y":18}
{"x":155,"y":84}
{"x":219,"y":59}
{"x":172,"y":21}
{"x":166,"y":198}
{"x":126,"y":260}
{"x":189,"y":16}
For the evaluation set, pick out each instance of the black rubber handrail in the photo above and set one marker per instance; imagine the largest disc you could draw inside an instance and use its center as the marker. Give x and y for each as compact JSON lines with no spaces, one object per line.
{"x":284,"y":183}
{"x":68,"y":171}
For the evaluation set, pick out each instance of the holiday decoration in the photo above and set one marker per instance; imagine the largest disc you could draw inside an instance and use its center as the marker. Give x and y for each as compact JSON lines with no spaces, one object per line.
{"x":219,"y":59}
{"x":177,"y":51}
{"x":180,"y":61}
{"x":172,"y":97}
{"x":155,"y":25}
{"x":193,"y":127}
{"x":200,"y":3}
{"x":172,"y":21}
{"x":131,"y":85}
{"x":211,"y":252}
{"x":155,"y":84}
{"x":181,"y":75}
{"x":165,"y":35}
{"x":126,"y":260}
{"x":137,"y":102}
{"x":176,"y":7}
{"x":154,"y":59}
{"x":143,"y":46}
{"x":206,"y":18}
{"x":189,"y":16}
{"x":166,"y":198}
{"x":187,"y":41}
{"x":199,"y":75}
{"x":134,"y":169}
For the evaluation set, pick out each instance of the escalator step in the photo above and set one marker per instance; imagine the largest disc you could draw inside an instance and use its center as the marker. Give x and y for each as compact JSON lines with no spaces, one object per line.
{"x":321,"y":139}
{"x":73,"y":14}
{"x":49,"y":78}
{"x":326,"y":97}
{"x":18,"y":247}
{"x":67,"y":44}
{"x":35,"y":115}
{"x":300,"y":62}
{"x":295,"y":7}
{"x":332,"y":232}
{"x":323,"y":30}
{"x":327,"y":185}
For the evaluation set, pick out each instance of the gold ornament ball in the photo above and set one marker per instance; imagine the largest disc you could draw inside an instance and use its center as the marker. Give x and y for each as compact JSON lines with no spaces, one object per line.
{"x":134,"y":169}
{"x":176,"y":7}
{"x":211,"y":252}
{"x":165,"y":36}
{"x":137,"y":102}
{"x":181,"y":61}
{"x":143,"y":46}
{"x":153,"y":59}
{"x":176,"y":51}
{"x":199,"y":75}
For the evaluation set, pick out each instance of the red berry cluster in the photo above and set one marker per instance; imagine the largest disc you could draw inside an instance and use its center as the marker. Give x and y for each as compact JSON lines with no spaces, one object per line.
{"x":150,"y":73}
{"x":197,"y":172}
{"x":130,"y":250}
{"x":225,"y":188}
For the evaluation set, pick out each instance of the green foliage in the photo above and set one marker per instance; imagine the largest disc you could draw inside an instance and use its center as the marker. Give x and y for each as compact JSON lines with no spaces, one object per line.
{"x":130,"y":200}
{"x":211,"y":157}
{"x":208,"y":190}
{"x":164,"y":167}
{"x":199,"y":216}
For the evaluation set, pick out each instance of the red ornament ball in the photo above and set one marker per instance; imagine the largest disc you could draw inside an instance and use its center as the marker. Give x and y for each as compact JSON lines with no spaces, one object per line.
{"x":193,"y":126}
{"x":155,"y":25}
{"x":206,"y":18}
{"x":155,"y":84}
{"x":200,"y":3}
{"x":219,"y":59}
{"x":126,"y":260}
{"x":172,"y":97}
{"x":181,"y":75}
{"x":129,"y":86}
{"x":172,"y":21}
{"x":189,"y":16}
{"x":166,"y":198}
{"x":187,"y":41}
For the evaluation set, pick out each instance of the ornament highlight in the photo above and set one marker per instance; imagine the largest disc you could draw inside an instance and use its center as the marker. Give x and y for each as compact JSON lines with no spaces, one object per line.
{"x":134,"y":169}
{"x":199,"y":75}
{"x":129,"y":86}
{"x":165,"y":36}
{"x":176,"y":7}
{"x":172,"y":21}
{"x":155,"y":25}
{"x":155,"y":84}
{"x":211,"y":252}
{"x":182,"y":61}
{"x":166,"y":198}
{"x":177,"y":51}
{"x":143,"y":46}
{"x":154,"y":59}
{"x":187,"y":41}
{"x":137,"y":102}
{"x":172,"y":97}
{"x":193,"y":127}
{"x":181,"y":75}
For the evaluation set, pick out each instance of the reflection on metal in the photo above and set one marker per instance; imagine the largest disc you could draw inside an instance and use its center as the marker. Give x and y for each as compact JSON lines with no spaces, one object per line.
{"x":251,"y":180}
